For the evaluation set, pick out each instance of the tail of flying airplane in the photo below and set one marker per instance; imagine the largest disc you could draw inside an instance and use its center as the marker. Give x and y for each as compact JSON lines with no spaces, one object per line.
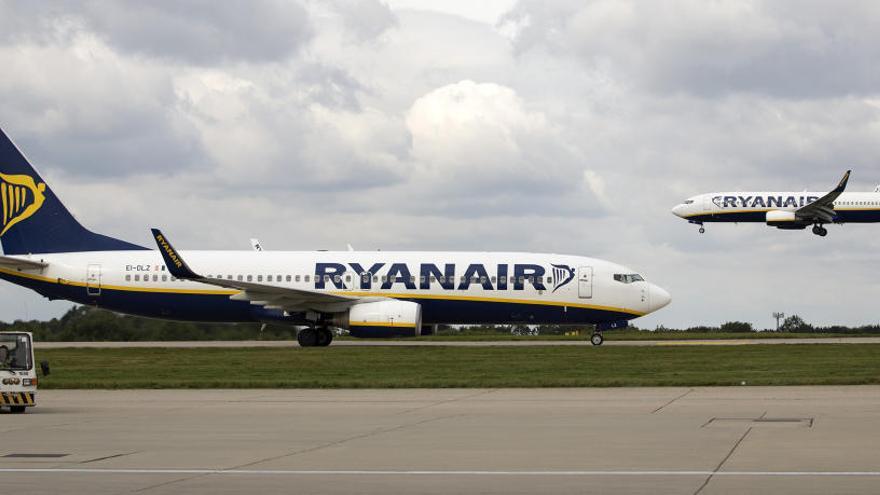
{"x":33,"y":219}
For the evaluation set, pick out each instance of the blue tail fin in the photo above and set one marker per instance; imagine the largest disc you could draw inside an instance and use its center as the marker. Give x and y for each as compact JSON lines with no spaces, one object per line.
{"x":33,"y":219}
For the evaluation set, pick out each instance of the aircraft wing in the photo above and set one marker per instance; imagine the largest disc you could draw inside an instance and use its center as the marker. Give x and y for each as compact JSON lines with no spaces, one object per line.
{"x":269,"y":296}
{"x":822,"y":210}
{"x":11,"y":263}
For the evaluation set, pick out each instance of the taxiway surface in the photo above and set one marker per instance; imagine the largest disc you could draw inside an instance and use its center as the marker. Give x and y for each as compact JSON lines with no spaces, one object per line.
{"x":626,"y":440}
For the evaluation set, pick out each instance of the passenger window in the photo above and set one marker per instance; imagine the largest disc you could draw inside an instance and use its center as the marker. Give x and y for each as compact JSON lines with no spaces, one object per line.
{"x":348,"y":278}
{"x":240,"y":278}
{"x":412,"y":279}
{"x":288,"y":278}
{"x":337,"y":278}
{"x":137,"y":278}
{"x":269,"y":278}
{"x":155,"y":278}
{"x":421,"y":279}
{"x":443,"y":280}
{"x":433,"y":279}
{"x":164,"y":278}
{"x":297,"y":278}
{"x":493,"y":279}
{"x":306,"y":278}
{"x":128,"y":278}
{"x":259,"y":278}
{"x":250,"y":278}
{"x":326,"y":278}
{"x":482,"y":280}
{"x":376,"y":278}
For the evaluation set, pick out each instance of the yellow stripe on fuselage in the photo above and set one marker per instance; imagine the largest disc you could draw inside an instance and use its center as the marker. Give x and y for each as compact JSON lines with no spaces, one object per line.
{"x":446,"y":297}
{"x":380,"y":324}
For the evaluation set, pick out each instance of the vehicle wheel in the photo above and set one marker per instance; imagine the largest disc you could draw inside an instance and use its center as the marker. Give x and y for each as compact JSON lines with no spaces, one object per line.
{"x":817,"y":230}
{"x":702,"y":230}
{"x":325,"y":336}
{"x":823,"y":232}
{"x":17,"y":409}
{"x":597,"y":339}
{"x":307,"y":337}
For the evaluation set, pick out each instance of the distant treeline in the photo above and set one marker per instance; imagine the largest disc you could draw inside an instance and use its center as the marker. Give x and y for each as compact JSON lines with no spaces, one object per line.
{"x":86,"y":324}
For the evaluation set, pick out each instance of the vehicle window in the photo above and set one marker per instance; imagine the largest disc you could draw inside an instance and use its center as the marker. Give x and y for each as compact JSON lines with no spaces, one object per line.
{"x":15,"y":352}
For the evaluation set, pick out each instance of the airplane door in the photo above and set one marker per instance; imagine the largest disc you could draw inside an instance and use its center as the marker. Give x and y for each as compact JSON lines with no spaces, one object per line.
{"x":585,"y":282}
{"x":93,"y":280}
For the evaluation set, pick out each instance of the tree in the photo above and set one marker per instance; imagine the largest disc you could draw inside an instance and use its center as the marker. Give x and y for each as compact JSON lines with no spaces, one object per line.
{"x":795,"y":323}
{"x":737,"y":326}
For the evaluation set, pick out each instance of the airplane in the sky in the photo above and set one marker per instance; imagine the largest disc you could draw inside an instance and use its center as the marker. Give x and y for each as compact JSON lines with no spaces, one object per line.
{"x":784,"y":210}
{"x":370,"y":293}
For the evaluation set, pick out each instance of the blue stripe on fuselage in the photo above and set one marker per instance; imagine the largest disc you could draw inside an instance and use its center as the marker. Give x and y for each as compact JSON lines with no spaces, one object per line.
{"x":220,"y":308}
{"x":842,"y":216}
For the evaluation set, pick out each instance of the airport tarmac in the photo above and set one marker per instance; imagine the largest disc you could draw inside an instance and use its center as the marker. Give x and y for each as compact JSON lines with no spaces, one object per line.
{"x":457,"y":343}
{"x":621,"y":440}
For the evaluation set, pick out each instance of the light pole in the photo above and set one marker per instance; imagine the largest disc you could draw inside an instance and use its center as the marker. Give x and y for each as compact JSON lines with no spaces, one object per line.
{"x":778,"y":317}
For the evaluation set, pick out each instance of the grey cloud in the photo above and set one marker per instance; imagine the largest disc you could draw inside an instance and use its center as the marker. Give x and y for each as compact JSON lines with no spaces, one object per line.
{"x":788,"y":49}
{"x":365,"y":20}
{"x":199,"y":32}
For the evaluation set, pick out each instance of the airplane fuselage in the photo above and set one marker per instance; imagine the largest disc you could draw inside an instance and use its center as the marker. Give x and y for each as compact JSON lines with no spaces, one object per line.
{"x":854,"y":207}
{"x":451,"y":287}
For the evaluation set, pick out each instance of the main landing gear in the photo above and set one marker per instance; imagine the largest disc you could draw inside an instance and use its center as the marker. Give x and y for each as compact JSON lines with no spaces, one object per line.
{"x":314,"y":337}
{"x":597,"y":338}
{"x":819,"y":230}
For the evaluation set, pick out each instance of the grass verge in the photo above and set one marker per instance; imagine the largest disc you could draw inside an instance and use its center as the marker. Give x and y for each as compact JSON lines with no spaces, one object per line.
{"x":441,"y":367}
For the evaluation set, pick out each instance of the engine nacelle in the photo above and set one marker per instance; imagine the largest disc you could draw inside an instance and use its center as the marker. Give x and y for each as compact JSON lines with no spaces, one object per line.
{"x":781,"y":217}
{"x":382,"y":319}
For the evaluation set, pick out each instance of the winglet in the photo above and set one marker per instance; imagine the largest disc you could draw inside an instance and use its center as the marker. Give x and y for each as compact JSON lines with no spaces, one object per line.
{"x":176,"y":266}
{"x":842,"y":184}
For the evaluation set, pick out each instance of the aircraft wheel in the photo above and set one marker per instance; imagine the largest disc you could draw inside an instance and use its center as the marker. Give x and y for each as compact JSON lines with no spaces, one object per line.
{"x":17,"y":409}
{"x":307,"y":337}
{"x":702,"y":230}
{"x":823,"y":232}
{"x":325,"y":336}
{"x":597,"y":339}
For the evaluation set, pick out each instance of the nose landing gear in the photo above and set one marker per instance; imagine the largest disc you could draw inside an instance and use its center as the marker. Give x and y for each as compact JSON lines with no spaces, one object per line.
{"x":819,"y":230}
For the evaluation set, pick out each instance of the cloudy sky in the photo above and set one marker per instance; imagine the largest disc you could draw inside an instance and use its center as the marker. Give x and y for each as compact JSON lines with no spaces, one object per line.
{"x":564,"y":126}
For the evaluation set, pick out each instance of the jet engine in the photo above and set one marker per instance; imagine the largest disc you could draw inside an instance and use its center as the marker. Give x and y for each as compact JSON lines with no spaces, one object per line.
{"x":784,"y":220}
{"x":382,"y":319}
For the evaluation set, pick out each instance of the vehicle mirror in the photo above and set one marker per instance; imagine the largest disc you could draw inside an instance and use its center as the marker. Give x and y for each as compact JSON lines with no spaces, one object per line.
{"x":44,"y":367}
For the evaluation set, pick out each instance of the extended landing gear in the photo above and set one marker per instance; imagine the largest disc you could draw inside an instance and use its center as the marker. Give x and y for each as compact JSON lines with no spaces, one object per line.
{"x":819,"y":230}
{"x":315,"y":337}
{"x":597,"y":338}
{"x":702,"y":229}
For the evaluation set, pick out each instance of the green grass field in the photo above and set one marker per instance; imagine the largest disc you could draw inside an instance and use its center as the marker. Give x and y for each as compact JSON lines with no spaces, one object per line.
{"x":402,"y":367}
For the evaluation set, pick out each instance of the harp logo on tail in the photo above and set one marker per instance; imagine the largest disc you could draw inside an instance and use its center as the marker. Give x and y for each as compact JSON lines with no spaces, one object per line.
{"x":562,"y":274}
{"x":21,"y":197}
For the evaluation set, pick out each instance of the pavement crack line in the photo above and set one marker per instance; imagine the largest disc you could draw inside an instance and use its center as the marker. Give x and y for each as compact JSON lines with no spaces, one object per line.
{"x":99,"y":459}
{"x":377,"y":431}
{"x":447,"y":401}
{"x":721,"y":464}
{"x":655,"y":411}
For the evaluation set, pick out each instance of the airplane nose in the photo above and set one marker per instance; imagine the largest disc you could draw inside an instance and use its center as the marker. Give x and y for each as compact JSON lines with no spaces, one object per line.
{"x":659,"y":298}
{"x":677,"y":211}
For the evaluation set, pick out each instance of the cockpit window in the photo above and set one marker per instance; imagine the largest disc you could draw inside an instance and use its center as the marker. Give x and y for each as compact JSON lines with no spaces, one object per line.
{"x":628,"y":278}
{"x":688,"y":201}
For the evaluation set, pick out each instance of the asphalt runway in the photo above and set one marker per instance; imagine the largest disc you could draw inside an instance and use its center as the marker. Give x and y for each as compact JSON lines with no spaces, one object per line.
{"x":459,"y":343}
{"x":625,"y":440}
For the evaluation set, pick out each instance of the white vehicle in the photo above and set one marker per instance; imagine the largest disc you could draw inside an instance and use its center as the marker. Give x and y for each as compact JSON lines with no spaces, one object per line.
{"x":18,"y":375}
{"x":784,"y":210}
{"x":373,"y":294}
